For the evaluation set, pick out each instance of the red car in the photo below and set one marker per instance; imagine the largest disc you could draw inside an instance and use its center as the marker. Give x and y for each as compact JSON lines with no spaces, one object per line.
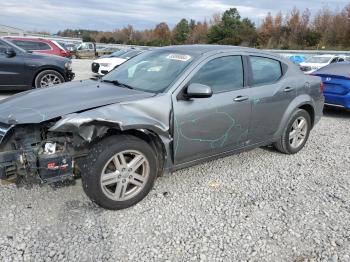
{"x":40,"y":45}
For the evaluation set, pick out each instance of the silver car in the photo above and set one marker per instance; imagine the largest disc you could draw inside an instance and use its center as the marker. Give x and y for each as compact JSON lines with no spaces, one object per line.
{"x":163,"y":110}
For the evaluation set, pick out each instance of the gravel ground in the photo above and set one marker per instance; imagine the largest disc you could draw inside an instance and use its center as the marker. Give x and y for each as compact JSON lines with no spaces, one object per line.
{"x":258,"y":206}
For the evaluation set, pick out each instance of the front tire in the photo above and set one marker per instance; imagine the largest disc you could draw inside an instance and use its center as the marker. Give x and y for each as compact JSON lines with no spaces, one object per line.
{"x":119,"y":171}
{"x":48,"y":78}
{"x":296,"y":133}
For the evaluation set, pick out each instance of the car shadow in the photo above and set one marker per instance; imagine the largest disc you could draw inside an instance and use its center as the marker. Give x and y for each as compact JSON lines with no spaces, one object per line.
{"x":336,"y":112}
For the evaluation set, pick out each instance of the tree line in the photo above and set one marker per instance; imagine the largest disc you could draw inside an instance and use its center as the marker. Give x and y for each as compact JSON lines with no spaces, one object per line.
{"x":297,"y":29}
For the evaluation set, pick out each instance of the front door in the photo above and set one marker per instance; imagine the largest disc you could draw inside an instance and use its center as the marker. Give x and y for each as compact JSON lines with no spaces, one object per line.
{"x":11,"y":69}
{"x":208,"y":126}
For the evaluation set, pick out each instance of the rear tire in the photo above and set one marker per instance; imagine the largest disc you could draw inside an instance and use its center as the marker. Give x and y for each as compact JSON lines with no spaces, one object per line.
{"x":48,"y":78}
{"x":296,"y":133}
{"x":119,"y":171}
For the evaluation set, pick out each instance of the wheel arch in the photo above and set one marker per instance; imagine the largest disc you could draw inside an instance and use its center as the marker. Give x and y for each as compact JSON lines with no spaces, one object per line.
{"x":44,"y":68}
{"x":98,"y":130}
{"x":311,"y":111}
{"x":149,"y":136}
{"x":305,"y":102}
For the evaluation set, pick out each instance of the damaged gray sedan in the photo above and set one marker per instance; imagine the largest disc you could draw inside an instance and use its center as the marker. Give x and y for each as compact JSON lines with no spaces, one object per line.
{"x":163,"y":110}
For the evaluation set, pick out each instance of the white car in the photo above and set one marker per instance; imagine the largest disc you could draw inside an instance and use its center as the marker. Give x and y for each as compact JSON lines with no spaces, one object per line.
{"x":104,"y":65}
{"x":316,"y":62}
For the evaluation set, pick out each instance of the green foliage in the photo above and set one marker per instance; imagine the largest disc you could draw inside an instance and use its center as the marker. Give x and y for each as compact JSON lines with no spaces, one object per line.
{"x":312,"y":38}
{"x":232,"y":30}
{"x":294,"y":30}
{"x":181,"y":32}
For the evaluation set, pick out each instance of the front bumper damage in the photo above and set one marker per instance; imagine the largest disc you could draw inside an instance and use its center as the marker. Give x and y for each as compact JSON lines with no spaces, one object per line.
{"x":69,"y":75}
{"x":28,"y":154}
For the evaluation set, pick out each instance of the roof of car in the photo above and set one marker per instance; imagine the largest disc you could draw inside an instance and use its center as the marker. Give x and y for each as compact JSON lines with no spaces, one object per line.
{"x":198,"y":50}
{"x":28,"y":38}
{"x":201,"y":49}
{"x":324,"y":55}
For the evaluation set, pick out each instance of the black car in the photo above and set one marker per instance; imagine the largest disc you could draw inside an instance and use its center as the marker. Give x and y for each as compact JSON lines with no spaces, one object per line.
{"x":23,"y":70}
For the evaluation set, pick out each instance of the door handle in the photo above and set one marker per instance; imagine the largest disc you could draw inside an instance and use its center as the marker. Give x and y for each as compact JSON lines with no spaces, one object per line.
{"x":288,"y":89}
{"x":240,"y":98}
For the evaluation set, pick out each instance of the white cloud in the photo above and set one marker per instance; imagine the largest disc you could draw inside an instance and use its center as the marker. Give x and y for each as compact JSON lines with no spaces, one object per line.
{"x":108,"y":14}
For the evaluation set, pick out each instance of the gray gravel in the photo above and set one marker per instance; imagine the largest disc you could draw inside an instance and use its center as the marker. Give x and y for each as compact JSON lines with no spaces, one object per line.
{"x":258,"y":205}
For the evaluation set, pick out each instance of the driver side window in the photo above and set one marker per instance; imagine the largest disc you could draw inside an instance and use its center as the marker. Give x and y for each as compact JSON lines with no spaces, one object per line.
{"x":222,"y":74}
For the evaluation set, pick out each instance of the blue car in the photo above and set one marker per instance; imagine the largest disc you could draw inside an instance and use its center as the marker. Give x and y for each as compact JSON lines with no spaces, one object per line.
{"x":297,"y":59}
{"x":336,"y":80}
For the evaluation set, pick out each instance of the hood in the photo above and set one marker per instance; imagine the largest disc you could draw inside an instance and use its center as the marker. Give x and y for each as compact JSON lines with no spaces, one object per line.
{"x":44,"y":104}
{"x":110,"y":60}
{"x":313,"y":64}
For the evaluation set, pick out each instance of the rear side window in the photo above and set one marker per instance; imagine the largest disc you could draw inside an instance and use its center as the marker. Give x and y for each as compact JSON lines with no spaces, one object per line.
{"x":265,"y":70}
{"x":42,"y":46}
{"x":31,"y":45}
{"x":221,"y":74}
{"x":3,"y":47}
{"x":26,"y":45}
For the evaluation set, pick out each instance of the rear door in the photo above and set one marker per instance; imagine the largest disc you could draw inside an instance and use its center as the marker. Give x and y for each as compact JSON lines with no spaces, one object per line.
{"x":205,"y":127}
{"x":11,"y":69}
{"x":272,"y":92}
{"x":336,"y":87}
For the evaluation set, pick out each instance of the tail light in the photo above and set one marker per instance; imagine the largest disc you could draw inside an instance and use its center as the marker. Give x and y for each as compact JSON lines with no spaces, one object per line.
{"x":63,"y":52}
{"x":321,"y":87}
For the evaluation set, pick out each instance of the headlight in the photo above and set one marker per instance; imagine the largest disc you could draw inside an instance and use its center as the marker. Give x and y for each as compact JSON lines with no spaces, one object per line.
{"x":105,"y":64}
{"x":68,"y":65}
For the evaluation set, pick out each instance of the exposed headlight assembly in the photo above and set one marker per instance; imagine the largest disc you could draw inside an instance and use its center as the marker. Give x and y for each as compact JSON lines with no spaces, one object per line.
{"x":68,"y":65}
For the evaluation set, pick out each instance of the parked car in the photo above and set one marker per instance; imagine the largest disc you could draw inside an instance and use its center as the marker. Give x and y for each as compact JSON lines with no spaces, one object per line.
{"x":40,"y":45}
{"x":86,"y":50}
{"x":104,"y":65}
{"x":117,"y":53}
{"x":107,"y":51}
{"x":22,"y":70}
{"x":166,"y":109}
{"x":336,"y":79}
{"x":316,"y":62}
{"x":297,"y":59}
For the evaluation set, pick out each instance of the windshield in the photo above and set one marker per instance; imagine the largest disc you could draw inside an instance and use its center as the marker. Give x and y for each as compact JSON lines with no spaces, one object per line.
{"x":319,"y":59}
{"x":152,"y":71}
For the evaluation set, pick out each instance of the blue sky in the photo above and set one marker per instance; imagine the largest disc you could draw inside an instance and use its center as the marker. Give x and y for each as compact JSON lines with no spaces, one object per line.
{"x":108,"y":14}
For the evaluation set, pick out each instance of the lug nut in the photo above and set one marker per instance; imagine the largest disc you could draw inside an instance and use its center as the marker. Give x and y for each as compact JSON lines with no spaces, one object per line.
{"x":130,"y":170}
{"x":124,"y":180}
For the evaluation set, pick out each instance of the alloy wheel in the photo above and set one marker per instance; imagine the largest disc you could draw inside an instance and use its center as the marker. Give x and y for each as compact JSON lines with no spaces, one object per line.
{"x":125,"y":175}
{"x":49,"y":80}
{"x":298,"y":132}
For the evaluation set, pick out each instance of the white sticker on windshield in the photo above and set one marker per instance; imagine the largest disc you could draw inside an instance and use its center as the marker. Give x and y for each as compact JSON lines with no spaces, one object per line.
{"x":179,"y":57}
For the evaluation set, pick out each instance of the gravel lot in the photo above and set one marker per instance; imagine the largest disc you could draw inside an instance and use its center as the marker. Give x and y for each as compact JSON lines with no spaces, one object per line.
{"x":258,"y":206}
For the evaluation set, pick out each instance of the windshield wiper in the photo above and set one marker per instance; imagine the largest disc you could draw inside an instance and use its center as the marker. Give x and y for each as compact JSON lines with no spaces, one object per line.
{"x":117,"y":83}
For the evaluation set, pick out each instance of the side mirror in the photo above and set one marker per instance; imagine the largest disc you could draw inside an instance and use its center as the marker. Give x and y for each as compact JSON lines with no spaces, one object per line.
{"x":10,"y":52}
{"x":198,"y":91}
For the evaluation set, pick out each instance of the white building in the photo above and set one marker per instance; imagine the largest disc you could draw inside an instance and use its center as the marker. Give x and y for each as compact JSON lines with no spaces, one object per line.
{"x":11,"y":31}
